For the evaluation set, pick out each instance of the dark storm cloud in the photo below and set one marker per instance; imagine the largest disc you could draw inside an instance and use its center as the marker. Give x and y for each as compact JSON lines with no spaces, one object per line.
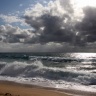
{"x":91,"y":38}
{"x":55,"y":28}
{"x":58,"y":25}
{"x":87,"y":27}
{"x":53,"y":23}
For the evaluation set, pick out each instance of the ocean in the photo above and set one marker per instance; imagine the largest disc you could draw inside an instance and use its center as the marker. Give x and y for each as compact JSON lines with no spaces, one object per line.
{"x":56,"y":70}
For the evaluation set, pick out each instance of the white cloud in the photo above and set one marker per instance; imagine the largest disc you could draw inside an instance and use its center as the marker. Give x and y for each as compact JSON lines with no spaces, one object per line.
{"x":9,"y":19}
{"x":10,"y":34}
{"x":55,"y":8}
{"x":52,"y":28}
{"x":47,"y":20}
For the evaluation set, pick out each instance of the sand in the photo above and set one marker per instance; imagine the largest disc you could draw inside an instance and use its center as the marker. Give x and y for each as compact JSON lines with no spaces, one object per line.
{"x":15,"y":89}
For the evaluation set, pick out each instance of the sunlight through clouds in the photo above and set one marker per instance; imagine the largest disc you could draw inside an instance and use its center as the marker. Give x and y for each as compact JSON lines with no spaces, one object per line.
{"x":52,"y":22}
{"x":84,"y":3}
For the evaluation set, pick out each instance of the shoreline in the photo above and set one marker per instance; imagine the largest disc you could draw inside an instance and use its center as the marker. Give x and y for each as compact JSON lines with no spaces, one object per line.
{"x":30,"y":90}
{"x":18,"y":89}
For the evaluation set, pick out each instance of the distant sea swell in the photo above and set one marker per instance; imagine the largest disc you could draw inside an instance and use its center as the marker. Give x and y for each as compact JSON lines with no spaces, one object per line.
{"x":62,"y":70}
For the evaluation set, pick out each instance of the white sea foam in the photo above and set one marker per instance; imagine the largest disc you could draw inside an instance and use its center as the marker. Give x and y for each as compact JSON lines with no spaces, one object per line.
{"x":36,"y":73}
{"x":50,"y":83}
{"x":25,"y":67}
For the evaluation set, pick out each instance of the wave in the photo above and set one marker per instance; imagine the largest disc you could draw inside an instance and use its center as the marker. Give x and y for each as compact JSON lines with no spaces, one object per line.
{"x":37,"y":69}
{"x":58,"y":71}
{"x":44,"y":57}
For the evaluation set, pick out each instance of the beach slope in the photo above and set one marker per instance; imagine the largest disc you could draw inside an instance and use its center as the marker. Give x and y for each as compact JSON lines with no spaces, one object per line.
{"x":15,"y":89}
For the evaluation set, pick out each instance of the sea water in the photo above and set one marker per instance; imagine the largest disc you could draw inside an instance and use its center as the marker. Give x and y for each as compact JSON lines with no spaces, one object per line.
{"x":56,"y":70}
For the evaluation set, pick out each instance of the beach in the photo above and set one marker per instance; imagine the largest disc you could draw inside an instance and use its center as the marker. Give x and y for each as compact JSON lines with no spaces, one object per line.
{"x":15,"y":89}
{"x":41,"y":74}
{"x":8,"y":88}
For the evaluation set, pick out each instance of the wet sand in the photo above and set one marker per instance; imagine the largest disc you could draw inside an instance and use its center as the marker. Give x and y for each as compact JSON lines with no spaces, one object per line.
{"x":15,"y":89}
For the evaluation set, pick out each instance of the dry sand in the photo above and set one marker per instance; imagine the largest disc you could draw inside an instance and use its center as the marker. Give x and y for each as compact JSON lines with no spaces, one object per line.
{"x":14,"y":89}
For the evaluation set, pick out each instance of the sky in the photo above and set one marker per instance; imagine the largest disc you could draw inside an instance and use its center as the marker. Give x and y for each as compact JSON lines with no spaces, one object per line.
{"x":47,"y":25}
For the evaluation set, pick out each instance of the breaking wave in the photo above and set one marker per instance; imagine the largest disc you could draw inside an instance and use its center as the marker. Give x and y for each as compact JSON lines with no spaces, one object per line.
{"x":37,"y":69}
{"x":49,"y":70}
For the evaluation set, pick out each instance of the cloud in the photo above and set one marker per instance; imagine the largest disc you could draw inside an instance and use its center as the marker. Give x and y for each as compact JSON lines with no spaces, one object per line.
{"x":55,"y":28}
{"x":51,"y":23}
{"x":55,"y":19}
{"x":10,"y":34}
{"x":48,"y":47}
{"x":87,"y":27}
{"x":59,"y":22}
{"x":9,"y":19}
